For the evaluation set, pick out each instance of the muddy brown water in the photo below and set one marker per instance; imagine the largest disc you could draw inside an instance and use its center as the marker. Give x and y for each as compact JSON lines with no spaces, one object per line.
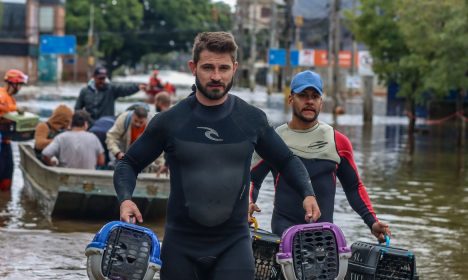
{"x":424,"y":198}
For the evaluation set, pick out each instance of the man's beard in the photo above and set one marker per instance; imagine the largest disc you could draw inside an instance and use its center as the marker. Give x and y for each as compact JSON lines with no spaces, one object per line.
{"x":305,"y":119}
{"x":214,"y":94}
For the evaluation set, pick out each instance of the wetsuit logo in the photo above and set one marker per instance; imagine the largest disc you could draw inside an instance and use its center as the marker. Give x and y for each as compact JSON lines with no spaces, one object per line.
{"x":211,"y":134}
{"x":317,"y":145}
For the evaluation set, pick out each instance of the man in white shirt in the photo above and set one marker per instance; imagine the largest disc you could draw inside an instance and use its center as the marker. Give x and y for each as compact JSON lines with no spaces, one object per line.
{"x":76,"y":148}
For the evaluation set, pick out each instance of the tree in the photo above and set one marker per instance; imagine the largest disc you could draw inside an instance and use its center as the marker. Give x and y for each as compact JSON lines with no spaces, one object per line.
{"x":125,"y":30}
{"x":172,"y":25}
{"x":115,"y":22}
{"x":376,"y":25}
{"x":438,"y":32}
{"x":418,"y":44}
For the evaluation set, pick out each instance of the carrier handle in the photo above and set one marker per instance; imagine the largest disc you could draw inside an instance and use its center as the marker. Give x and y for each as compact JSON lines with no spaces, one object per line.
{"x":387,"y":241}
{"x":255,"y":223}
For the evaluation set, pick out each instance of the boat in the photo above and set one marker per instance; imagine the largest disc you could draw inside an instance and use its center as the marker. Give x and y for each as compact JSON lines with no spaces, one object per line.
{"x":87,"y":194}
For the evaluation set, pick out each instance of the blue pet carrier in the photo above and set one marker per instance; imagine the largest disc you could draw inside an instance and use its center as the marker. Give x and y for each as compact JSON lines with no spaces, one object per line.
{"x":123,"y":251}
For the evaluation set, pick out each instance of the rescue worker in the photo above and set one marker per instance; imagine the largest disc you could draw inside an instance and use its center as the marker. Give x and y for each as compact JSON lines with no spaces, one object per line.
{"x":155,"y":86}
{"x":14,"y":80}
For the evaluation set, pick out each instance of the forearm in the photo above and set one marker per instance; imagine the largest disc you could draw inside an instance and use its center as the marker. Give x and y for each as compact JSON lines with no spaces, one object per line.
{"x":122,"y":90}
{"x":124,"y":179}
{"x":356,"y":192}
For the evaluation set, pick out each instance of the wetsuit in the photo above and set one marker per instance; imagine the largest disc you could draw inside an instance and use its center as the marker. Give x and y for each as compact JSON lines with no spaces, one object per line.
{"x":209,"y":150}
{"x":326,"y":154}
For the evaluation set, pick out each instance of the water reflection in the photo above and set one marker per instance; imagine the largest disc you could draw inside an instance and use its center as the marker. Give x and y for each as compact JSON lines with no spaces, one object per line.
{"x":424,"y":197}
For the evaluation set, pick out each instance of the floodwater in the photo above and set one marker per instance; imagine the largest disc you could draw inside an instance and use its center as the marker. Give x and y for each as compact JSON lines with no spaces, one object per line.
{"x":423,"y":197}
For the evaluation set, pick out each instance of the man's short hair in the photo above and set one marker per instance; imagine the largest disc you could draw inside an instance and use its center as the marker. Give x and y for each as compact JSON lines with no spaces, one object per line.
{"x":140,"y":112}
{"x":163,"y":98}
{"x":217,"y":42}
{"x":100,"y":71}
{"x":80,"y":117}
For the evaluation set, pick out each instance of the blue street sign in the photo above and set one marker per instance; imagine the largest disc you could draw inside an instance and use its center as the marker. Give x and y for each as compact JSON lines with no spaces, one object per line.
{"x":294,"y":57}
{"x":278,"y":57}
{"x":50,"y":44}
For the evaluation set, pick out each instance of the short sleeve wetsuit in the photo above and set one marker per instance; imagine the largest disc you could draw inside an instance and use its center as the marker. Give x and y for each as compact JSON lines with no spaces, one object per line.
{"x":326,"y":154}
{"x":209,"y":151}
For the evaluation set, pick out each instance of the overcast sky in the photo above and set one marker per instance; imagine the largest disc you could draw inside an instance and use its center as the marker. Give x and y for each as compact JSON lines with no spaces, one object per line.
{"x":231,"y":3}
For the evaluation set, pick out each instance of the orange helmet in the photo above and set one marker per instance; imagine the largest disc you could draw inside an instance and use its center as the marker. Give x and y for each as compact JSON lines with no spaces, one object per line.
{"x":15,"y":77}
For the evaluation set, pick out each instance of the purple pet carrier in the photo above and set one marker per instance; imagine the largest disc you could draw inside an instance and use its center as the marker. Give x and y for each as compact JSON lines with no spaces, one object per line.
{"x":313,"y":251}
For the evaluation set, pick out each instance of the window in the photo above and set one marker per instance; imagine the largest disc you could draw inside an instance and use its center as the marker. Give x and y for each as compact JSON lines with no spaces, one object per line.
{"x":46,"y":19}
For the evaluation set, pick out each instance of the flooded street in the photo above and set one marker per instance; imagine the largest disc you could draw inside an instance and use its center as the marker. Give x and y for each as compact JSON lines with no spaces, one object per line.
{"x":424,"y":198}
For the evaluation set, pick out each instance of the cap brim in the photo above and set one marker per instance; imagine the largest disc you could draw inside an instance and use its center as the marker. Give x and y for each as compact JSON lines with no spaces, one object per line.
{"x":302,"y":88}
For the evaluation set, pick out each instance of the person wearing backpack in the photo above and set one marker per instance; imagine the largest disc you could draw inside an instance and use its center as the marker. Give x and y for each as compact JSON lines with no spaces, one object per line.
{"x":127,"y":128}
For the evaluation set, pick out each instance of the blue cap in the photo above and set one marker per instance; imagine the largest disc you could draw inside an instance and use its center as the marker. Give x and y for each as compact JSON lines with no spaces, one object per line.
{"x":306,"y":79}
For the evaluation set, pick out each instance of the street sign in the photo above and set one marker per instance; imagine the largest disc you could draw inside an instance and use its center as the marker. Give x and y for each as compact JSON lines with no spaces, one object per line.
{"x":277,"y":57}
{"x":294,"y":57}
{"x":365,"y":64}
{"x":51,"y":44}
{"x":306,"y":57}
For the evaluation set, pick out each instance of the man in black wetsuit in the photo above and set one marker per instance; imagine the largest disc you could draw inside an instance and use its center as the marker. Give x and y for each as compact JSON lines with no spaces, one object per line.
{"x":326,"y":154}
{"x":209,"y":139}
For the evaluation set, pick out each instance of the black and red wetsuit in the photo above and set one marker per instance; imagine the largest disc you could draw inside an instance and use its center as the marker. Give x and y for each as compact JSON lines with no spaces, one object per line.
{"x":326,"y":154}
{"x":209,"y":151}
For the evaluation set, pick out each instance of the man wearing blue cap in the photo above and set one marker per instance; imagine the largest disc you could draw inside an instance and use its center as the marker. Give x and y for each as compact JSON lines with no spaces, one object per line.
{"x":326,"y":154}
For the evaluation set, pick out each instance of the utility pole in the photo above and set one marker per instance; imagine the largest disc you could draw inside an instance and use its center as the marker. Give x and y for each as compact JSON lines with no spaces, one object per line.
{"x":90,"y":44}
{"x":273,"y":44}
{"x":253,"y":45}
{"x":333,"y":54}
{"x":287,"y":68}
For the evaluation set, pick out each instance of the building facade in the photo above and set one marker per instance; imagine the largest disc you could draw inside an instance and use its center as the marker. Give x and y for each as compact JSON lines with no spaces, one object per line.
{"x":21,"y":24}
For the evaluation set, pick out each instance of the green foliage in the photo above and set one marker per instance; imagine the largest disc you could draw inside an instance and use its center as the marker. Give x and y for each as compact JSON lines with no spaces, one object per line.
{"x":419,"y":44}
{"x":437,"y":32}
{"x":128,"y":29}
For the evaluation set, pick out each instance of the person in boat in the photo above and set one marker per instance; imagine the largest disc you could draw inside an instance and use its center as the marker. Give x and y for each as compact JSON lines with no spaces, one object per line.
{"x":326,"y":154}
{"x":209,"y":138}
{"x":99,"y":95}
{"x":14,"y":80}
{"x":127,"y":128}
{"x":155,"y":86}
{"x":46,"y":131}
{"x":76,"y":148}
{"x":100,"y":128}
{"x":169,"y":88}
{"x":162,"y":102}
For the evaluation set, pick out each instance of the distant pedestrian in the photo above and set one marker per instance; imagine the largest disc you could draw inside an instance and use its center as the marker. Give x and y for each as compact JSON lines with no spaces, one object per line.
{"x":98,"y":97}
{"x":14,"y":80}
{"x":76,"y":148}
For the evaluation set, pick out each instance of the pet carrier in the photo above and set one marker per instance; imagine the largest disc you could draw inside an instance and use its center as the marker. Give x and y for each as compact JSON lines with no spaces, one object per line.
{"x":18,"y":127}
{"x":265,"y":245}
{"x":313,"y":251}
{"x":123,"y":251}
{"x":373,"y":261}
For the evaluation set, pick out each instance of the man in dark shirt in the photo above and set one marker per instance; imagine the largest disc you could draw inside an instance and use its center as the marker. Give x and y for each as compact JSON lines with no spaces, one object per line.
{"x":326,"y":154}
{"x":209,"y":139}
{"x":98,"y":97}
